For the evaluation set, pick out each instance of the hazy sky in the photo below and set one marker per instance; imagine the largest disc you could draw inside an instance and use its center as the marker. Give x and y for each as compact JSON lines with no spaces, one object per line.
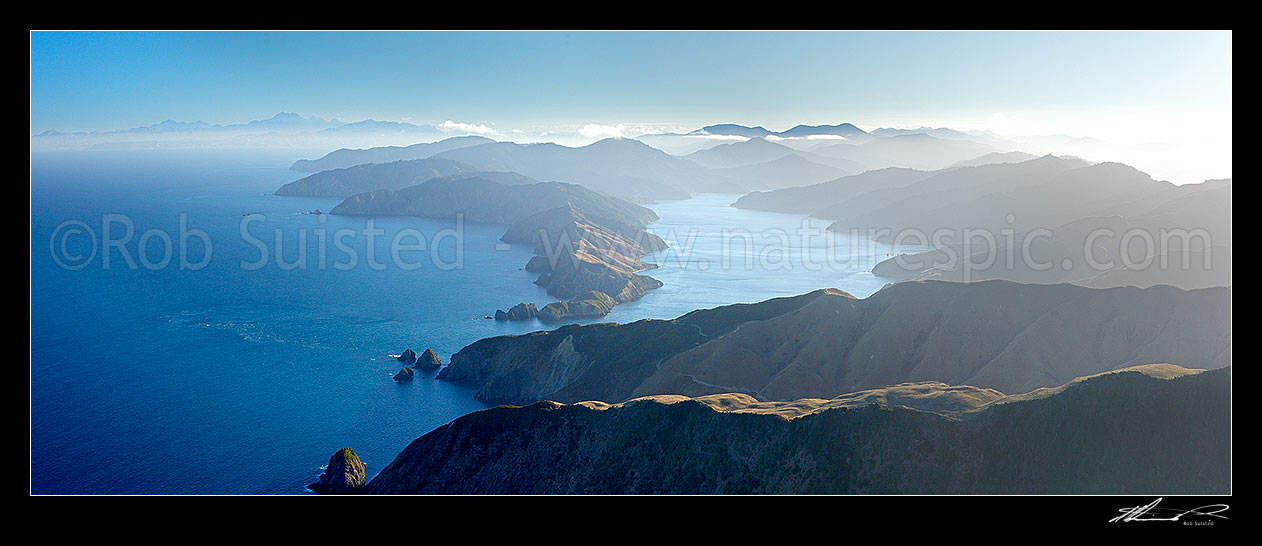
{"x":1021,"y":82}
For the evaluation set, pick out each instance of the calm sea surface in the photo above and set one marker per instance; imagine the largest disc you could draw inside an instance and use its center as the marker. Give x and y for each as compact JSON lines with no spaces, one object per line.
{"x":241,"y":371}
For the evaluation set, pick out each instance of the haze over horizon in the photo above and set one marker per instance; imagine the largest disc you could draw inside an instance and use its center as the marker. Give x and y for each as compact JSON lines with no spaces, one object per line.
{"x":1152,"y":93}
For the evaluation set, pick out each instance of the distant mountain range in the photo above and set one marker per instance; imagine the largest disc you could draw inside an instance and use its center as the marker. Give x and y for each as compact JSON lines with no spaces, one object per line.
{"x":789,"y":170}
{"x":923,"y":148}
{"x":619,"y":167}
{"x":735,"y":130}
{"x":633,"y":170}
{"x":817,"y":199}
{"x":759,"y":150}
{"x":1042,"y":192}
{"x":736,"y":154}
{"x":843,"y":146}
{"x":953,"y":184}
{"x":396,"y":175}
{"x":343,"y":158}
{"x":937,"y":132}
{"x":916,"y":151}
{"x":281,"y":122}
{"x":995,"y":157}
{"x":844,"y":130}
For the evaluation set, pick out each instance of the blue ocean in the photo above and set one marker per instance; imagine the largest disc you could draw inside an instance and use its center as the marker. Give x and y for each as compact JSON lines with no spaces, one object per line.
{"x":180,"y":344}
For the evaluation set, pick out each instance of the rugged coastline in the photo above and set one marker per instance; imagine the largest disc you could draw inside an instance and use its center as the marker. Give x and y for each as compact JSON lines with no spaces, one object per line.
{"x":588,"y":247}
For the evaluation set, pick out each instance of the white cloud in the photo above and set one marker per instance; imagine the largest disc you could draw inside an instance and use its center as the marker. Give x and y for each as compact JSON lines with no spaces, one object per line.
{"x":592,"y":130}
{"x":775,"y":138}
{"x":733,"y":138}
{"x":473,"y":128}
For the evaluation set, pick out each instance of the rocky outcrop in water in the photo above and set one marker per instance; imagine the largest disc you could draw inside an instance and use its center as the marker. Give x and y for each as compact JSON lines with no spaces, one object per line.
{"x":404,"y":374}
{"x":345,"y":474}
{"x":408,"y":356}
{"x":428,"y":360}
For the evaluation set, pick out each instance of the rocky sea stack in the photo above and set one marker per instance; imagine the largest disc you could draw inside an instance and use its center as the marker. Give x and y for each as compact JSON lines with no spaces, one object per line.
{"x":405,"y":374}
{"x":345,"y":474}
{"x":408,"y":356}
{"x":428,"y":360}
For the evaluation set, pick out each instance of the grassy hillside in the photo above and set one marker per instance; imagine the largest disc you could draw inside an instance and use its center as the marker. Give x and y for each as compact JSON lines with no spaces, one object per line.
{"x":1120,"y":433}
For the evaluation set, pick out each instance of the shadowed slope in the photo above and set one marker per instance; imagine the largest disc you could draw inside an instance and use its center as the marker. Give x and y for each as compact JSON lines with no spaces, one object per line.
{"x":996,"y":334}
{"x":597,"y":361}
{"x":1120,"y":433}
